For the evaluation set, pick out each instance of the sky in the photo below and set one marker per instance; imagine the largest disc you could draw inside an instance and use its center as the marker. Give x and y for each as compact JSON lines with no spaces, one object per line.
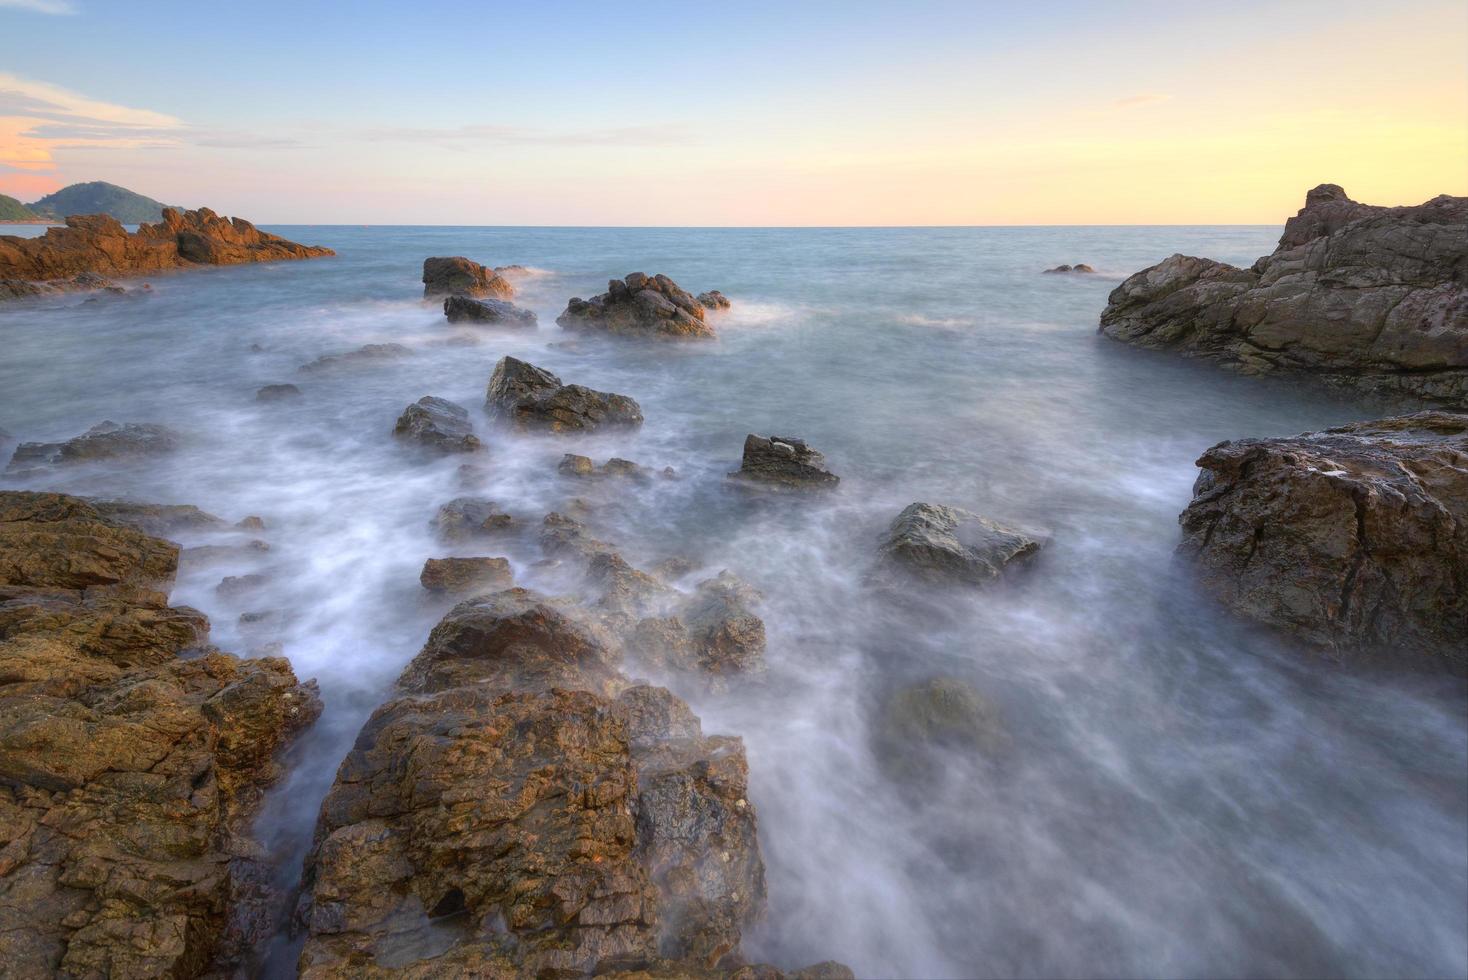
{"x":799,"y":112}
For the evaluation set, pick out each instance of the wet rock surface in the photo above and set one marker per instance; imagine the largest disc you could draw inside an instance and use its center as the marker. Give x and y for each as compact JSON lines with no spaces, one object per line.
{"x":1373,"y":298}
{"x":461,"y":575}
{"x":937,"y":544}
{"x":367,"y":354}
{"x":1353,"y":540}
{"x":97,"y":245}
{"x":711,"y":638}
{"x":529,"y":397}
{"x":458,"y":276}
{"x":784,"y":463}
{"x":465,"y":518}
{"x":128,"y":774}
{"x":437,"y":425}
{"x":1079,"y":268}
{"x":920,"y":724}
{"x":714,"y":300}
{"x":616,"y":468}
{"x":105,"y":440}
{"x":462,"y":309}
{"x":640,"y":306}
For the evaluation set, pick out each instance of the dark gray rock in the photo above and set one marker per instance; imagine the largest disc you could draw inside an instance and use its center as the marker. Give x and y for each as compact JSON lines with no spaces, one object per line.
{"x":784,"y":463}
{"x":938,"y":544}
{"x":529,"y":397}
{"x":1079,"y":268}
{"x":276,"y":393}
{"x":105,"y":440}
{"x":640,"y":306}
{"x":369,"y":354}
{"x":439,"y":425}
{"x":465,"y":518}
{"x":462,"y":309}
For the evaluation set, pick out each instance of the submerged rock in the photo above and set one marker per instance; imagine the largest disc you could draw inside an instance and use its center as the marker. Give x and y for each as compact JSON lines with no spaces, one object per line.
{"x":462,"y":309}
{"x":277,"y":393}
{"x":129,"y":775}
{"x":714,"y":636}
{"x":923,"y":722}
{"x":105,"y":440}
{"x":439,"y":425}
{"x":1354,"y":539}
{"x":157,"y":519}
{"x":368,"y":354}
{"x":784,"y":463}
{"x":640,"y":306}
{"x":561,"y":535}
{"x":582,"y":467}
{"x":458,"y":276}
{"x":465,"y":518}
{"x":940,"y":544}
{"x":460,"y":575}
{"x":1368,"y":297}
{"x":532,"y":398}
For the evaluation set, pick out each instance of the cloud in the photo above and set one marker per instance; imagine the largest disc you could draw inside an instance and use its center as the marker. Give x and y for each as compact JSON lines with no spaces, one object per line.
{"x":657,"y":135}
{"x":1146,"y":98}
{"x":37,"y":119}
{"x":41,"y":6}
{"x":44,"y":99}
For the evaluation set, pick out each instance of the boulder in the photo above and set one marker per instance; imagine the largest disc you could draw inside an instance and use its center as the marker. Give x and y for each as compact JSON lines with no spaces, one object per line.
{"x":922,"y":724}
{"x":465,"y":518}
{"x":367,"y":354}
{"x":784,"y":463}
{"x":1373,"y":298}
{"x":1353,"y":540}
{"x":439,"y":425}
{"x":460,"y":575}
{"x":714,"y":300}
{"x":277,"y":393}
{"x":938,"y":545}
{"x":462,"y":309}
{"x":529,"y":397}
{"x":91,"y":246}
{"x":639,"y":306}
{"x":458,"y":276}
{"x":713,"y":638}
{"x":129,"y":775}
{"x":105,"y":440}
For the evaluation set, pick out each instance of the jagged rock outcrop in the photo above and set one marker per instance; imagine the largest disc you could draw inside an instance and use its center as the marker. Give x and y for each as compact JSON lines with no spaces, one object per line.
{"x":105,"y":440}
{"x":439,"y":425}
{"x":783,"y":463}
{"x":458,"y":276}
{"x":98,"y":244}
{"x":128,"y":774}
{"x":1369,"y":297}
{"x":640,"y":306}
{"x":462,"y":309}
{"x":529,"y":397}
{"x":1354,"y":539}
{"x":366,"y":354}
{"x":462,"y":575}
{"x":521,"y":810}
{"x":949,"y":545}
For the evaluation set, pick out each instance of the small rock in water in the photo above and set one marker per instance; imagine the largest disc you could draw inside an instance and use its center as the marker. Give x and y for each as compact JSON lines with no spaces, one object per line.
{"x":439,"y":425}
{"x":232,"y":585}
{"x":949,"y":545}
{"x":640,"y":306}
{"x":714,"y":300}
{"x":464,"y":518}
{"x":277,"y":393}
{"x":582,"y":467}
{"x":532,"y":398}
{"x":784,"y":463}
{"x":462,"y":575}
{"x":462,"y":309}
{"x":458,"y":276}
{"x":105,"y":440}
{"x":921,"y":722}
{"x":157,"y":519}
{"x":371,"y":353}
{"x":1079,"y":267}
{"x":251,"y":523}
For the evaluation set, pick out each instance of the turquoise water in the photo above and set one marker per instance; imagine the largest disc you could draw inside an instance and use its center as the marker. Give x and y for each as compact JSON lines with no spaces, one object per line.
{"x":1177,"y":795}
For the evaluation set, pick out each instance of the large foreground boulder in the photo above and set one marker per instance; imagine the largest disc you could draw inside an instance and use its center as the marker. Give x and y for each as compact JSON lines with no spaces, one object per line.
{"x":458,"y":276}
{"x":532,"y":398}
{"x":783,"y":463}
{"x":129,"y":775}
{"x":462,"y":309}
{"x":640,"y":306}
{"x":438,"y":425}
{"x":1354,"y":540}
{"x":949,"y":545}
{"x":1370,"y":297}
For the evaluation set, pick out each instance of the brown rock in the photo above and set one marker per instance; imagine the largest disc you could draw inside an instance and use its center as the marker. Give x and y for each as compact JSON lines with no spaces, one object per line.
{"x":640,"y":306}
{"x":460,"y":575}
{"x":458,"y":276}
{"x":783,"y":463}
{"x":714,"y":300}
{"x":465,"y":518}
{"x":105,"y":440}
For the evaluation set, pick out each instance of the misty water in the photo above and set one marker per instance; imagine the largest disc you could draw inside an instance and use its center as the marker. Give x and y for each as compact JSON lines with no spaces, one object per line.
{"x":1168,"y":791}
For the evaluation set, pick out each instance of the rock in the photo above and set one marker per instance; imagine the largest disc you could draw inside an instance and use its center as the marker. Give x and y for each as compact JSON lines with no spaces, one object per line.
{"x":458,"y":276}
{"x":937,"y":544}
{"x":460,"y":575}
{"x":91,"y":246}
{"x":1353,"y":540}
{"x":439,"y":425}
{"x":714,"y":300}
{"x":277,"y":393}
{"x":105,"y":440}
{"x":1079,"y":268}
{"x":129,"y":776}
{"x":714,"y":637}
{"x":462,"y":309}
{"x":560,"y":535}
{"x":160,"y":520}
{"x":640,"y":306}
{"x":1373,"y":298}
{"x":582,"y":467}
{"x":624,"y":590}
{"x":207,"y":554}
{"x":923,"y":723}
{"x":251,"y":523}
{"x":784,"y":463}
{"x":465,"y":518}
{"x":234,"y":585}
{"x":368,"y":354}
{"x":532,"y":398}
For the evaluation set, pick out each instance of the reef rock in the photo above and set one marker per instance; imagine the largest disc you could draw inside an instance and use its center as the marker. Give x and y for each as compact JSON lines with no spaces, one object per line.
{"x":464,"y":518}
{"x":1354,"y":539}
{"x":938,"y":544}
{"x":367,"y":354}
{"x":97,"y":244}
{"x":458,"y":276}
{"x":128,"y":774}
{"x":784,"y":463}
{"x":532,"y":398}
{"x":640,"y":306}
{"x":1369,"y":297}
{"x":105,"y":440}
{"x":462,"y":309}
{"x":460,"y":575}
{"x":439,"y":425}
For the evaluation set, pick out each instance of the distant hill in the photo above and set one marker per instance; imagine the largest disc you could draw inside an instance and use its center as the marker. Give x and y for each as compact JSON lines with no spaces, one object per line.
{"x":99,"y":197}
{"x":13,"y":210}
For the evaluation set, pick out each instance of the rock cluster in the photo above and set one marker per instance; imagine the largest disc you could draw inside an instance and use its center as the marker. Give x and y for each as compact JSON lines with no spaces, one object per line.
{"x":1354,"y":540}
{"x":105,"y":440}
{"x":458,"y":276}
{"x":640,"y":306}
{"x":128,"y":774}
{"x":462,"y":309}
{"x":97,"y":244}
{"x":949,"y":545}
{"x":439,"y":425}
{"x":529,"y":397}
{"x":1369,"y":297}
{"x":783,"y":463}
{"x":1080,"y":268}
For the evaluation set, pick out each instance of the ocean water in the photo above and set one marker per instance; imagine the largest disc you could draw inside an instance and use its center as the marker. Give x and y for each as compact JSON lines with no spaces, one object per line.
{"x":1170,"y":792}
